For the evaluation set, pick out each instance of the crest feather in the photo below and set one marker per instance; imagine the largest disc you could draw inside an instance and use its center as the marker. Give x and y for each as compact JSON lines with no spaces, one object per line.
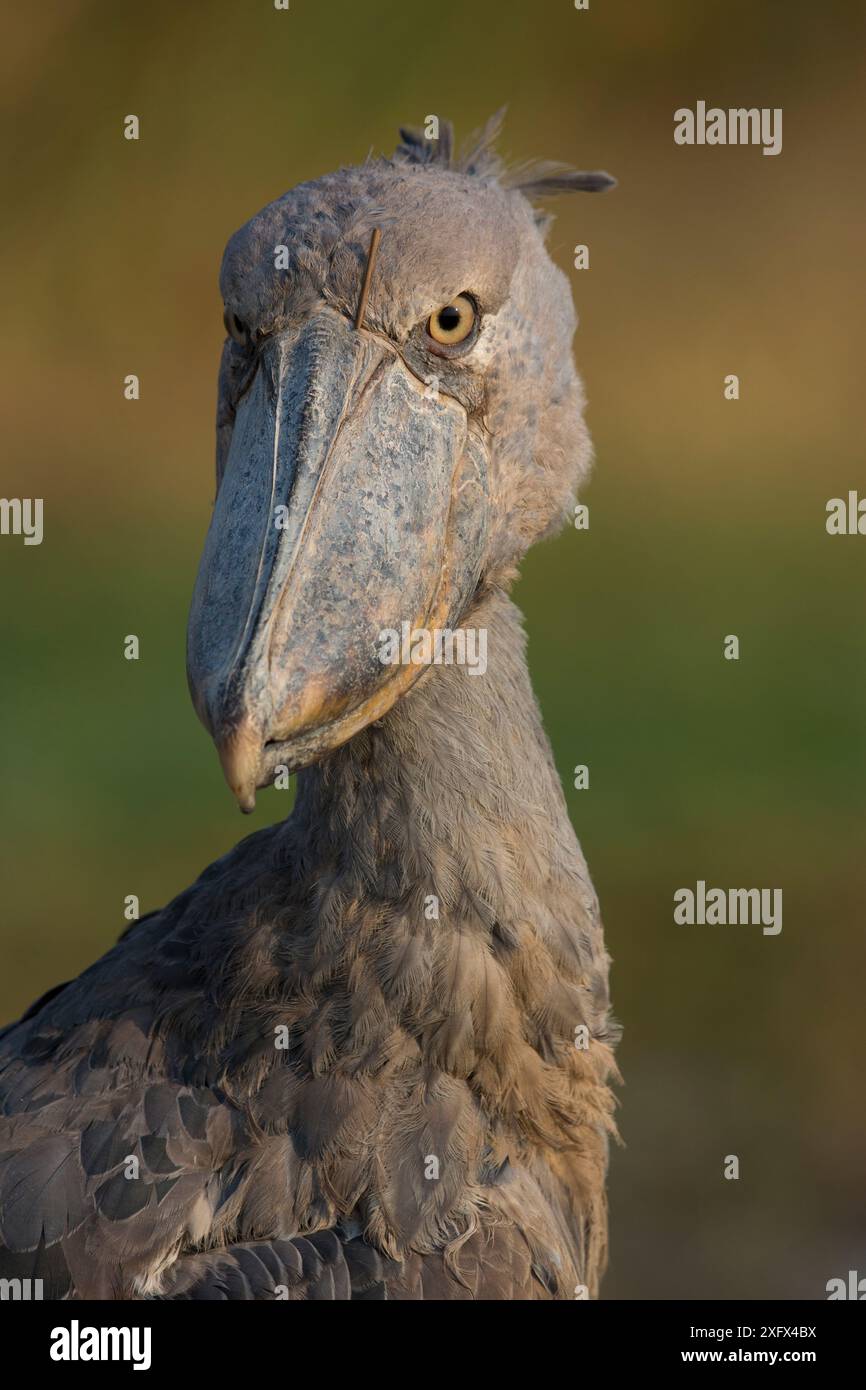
{"x":534,"y":179}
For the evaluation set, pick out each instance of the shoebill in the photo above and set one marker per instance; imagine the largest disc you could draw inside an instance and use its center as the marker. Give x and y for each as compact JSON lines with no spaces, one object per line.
{"x":368,"y":1053}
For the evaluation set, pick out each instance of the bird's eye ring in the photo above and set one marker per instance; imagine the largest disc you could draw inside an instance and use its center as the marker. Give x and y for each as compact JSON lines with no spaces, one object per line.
{"x":235,"y":327}
{"x":453,"y":322}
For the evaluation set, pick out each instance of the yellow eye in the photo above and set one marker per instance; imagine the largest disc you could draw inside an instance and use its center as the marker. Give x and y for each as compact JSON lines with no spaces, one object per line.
{"x":453,"y":322}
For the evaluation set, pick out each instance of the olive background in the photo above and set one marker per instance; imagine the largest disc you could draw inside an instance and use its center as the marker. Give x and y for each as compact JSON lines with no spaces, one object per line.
{"x":706,"y":518}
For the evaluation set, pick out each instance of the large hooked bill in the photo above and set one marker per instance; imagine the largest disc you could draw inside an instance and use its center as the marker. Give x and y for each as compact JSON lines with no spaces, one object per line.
{"x":354,"y":499}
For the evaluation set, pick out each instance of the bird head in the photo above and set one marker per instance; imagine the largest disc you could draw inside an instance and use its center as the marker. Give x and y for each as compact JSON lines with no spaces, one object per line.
{"x":382,"y":468}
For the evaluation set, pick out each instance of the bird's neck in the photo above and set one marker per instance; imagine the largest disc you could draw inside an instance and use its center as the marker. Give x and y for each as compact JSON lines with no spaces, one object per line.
{"x":438,"y":863}
{"x":451,"y":806}
{"x":446,"y":944}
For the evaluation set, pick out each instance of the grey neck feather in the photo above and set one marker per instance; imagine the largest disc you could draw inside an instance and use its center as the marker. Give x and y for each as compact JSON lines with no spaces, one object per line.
{"x":453,"y":795}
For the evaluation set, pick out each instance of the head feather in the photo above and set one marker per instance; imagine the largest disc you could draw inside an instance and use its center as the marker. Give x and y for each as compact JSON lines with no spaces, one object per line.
{"x":534,"y":179}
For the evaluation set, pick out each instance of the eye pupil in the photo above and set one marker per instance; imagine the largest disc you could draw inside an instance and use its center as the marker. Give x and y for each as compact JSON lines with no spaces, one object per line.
{"x":453,"y":323}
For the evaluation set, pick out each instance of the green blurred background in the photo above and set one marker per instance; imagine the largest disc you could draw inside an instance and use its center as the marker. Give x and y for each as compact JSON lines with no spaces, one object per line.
{"x":707,"y":518}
